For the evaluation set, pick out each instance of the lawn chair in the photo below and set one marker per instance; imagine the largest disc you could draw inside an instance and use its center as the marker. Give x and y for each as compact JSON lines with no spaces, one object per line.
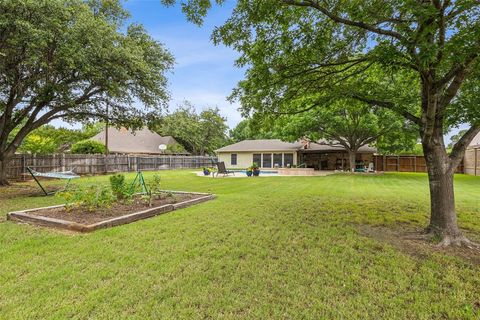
{"x":69,"y":175}
{"x":371,"y":168}
{"x":223,"y":170}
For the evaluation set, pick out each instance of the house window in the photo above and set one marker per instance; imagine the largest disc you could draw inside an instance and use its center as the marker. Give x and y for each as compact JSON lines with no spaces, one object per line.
{"x":277,"y":160}
{"x":257,"y":158}
{"x":288,"y":159}
{"x":267,"y":160}
{"x":233,"y":159}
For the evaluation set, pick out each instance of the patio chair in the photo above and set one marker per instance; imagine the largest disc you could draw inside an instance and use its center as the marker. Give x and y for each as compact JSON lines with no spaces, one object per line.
{"x":223,"y":170}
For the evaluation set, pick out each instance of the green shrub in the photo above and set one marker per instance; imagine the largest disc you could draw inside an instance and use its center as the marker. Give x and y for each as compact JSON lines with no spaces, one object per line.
{"x":88,"y":197}
{"x":154,"y":189}
{"x":88,"y":147}
{"x":119,"y":187}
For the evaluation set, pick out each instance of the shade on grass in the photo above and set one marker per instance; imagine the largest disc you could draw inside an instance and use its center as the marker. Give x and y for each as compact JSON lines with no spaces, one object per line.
{"x":278,"y":247}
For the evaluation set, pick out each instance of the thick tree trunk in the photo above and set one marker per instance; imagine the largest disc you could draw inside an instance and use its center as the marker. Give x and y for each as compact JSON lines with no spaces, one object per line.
{"x":443,"y":217}
{"x":352,"y":156}
{"x":3,"y":171}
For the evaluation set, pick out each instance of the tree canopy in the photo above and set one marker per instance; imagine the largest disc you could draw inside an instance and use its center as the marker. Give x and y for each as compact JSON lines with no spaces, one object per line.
{"x":350,"y":124}
{"x":70,"y":59}
{"x":249,"y":129}
{"x":200,"y":133}
{"x":49,"y":139}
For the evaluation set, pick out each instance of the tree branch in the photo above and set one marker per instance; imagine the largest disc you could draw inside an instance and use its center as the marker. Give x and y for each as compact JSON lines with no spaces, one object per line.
{"x":387,"y":105}
{"x":336,"y":18}
{"x":459,"y":148}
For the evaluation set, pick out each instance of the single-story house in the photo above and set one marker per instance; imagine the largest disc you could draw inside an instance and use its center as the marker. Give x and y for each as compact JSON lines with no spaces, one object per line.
{"x":144,"y":141}
{"x":271,"y":153}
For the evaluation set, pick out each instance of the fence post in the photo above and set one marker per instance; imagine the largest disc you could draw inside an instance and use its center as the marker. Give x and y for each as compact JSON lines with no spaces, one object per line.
{"x":24,"y":166}
{"x":415,"y":163}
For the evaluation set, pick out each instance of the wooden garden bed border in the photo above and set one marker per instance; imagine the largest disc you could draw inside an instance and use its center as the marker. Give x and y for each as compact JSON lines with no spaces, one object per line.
{"x":24,"y":216}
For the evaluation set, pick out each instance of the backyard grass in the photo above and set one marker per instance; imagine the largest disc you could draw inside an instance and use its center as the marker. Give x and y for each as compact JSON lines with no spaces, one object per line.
{"x":276,"y":247}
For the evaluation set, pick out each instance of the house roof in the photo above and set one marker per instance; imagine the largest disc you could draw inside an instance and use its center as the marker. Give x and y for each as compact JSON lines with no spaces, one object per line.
{"x":279,"y":145}
{"x":261,"y":145}
{"x":475,"y":143}
{"x":141,"y":141}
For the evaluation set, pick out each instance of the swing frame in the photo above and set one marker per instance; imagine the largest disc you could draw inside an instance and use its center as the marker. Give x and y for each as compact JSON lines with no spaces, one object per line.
{"x":69,"y":175}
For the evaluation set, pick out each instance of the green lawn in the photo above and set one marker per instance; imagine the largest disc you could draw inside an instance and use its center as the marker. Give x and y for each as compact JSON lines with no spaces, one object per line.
{"x":278,"y":247}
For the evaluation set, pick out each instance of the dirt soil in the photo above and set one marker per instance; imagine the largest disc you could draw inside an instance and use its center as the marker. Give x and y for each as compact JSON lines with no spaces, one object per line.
{"x":83,"y":216}
{"x":412,"y":241}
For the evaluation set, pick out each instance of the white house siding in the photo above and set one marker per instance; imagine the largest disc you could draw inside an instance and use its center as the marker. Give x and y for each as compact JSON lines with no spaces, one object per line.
{"x":245,"y":159}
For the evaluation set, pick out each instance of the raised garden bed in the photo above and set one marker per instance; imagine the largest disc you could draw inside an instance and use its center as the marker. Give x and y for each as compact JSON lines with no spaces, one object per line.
{"x":80,"y":220}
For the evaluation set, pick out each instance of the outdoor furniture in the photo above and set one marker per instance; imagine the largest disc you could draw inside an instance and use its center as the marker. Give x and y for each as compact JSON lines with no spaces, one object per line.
{"x":223,"y":170}
{"x":371,"y":167}
{"x":69,"y":175}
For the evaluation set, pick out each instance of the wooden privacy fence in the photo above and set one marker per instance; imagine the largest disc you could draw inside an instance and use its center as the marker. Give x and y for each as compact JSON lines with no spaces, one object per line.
{"x":404,"y":164}
{"x":471,"y":161}
{"x":99,"y":164}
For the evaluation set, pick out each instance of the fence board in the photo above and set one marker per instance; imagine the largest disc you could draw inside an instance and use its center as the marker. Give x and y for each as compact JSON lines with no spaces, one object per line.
{"x":100,"y":164}
{"x":393,"y":163}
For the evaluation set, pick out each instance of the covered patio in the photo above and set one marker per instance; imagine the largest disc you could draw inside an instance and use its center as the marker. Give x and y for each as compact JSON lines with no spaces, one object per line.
{"x":328,"y":157}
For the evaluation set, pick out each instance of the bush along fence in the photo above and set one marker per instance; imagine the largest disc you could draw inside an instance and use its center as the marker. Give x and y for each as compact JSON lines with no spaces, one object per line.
{"x":403,"y":163}
{"x":100,"y":164}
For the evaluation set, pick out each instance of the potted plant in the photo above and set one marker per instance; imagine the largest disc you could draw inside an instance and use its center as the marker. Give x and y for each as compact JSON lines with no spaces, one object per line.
{"x":207,"y":171}
{"x":249,"y":171}
{"x":255,"y":169}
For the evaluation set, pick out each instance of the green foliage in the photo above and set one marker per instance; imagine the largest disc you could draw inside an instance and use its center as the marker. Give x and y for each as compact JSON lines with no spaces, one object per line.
{"x":68,"y":59}
{"x":409,"y":57}
{"x":200,"y":133}
{"x":454,"y":139}
{"x":350,"y":124}
{"x":37,"y":144}
{"x":154,"y":190}
{"x":88,"y":147}
{"x":415,"y":150}
{"x":89,"y":197}
{"x":49,"y":139}
{"x":154,"y":185}
{"x":249,"y":129}
{"x":119,"y":187}
{"x":175,"y":148}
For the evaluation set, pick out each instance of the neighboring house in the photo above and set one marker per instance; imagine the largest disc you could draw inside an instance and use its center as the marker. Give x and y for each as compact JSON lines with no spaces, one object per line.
{"x":142,"y":141}
{"x":471,"y":160}
{"x":270,"y":153}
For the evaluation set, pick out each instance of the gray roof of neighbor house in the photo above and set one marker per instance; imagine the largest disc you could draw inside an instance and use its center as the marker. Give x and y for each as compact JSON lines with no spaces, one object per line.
{"x":261,"y":145}
{"x":475,"y":141}
{"x":141,"y":141}
{"x":279,"y":145}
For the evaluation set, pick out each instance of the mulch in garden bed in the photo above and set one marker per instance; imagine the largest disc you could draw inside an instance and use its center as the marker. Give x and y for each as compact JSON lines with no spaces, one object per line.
{"x":84,"y":216}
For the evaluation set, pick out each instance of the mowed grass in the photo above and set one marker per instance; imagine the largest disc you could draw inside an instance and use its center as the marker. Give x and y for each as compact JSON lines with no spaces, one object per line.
{"x":276,"y":247}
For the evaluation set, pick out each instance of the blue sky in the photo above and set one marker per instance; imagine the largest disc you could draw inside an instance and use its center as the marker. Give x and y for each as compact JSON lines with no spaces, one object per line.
{"x":204,"y":74}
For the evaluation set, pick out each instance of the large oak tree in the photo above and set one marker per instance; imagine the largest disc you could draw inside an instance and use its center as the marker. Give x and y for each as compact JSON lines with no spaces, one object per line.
{"x":295,"y":48}
{"x":349,"y":124}
{"x":70,"y":59}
